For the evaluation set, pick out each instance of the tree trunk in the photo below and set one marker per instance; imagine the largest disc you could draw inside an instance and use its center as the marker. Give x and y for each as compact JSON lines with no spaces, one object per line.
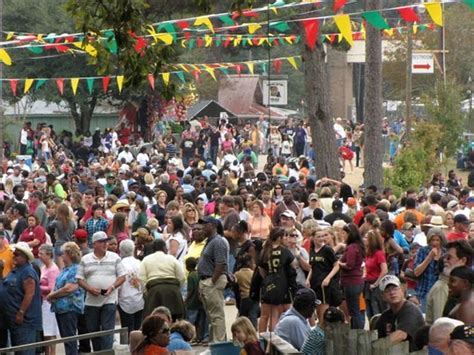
{"x":317,"y":98}
{"x":373,"y":147}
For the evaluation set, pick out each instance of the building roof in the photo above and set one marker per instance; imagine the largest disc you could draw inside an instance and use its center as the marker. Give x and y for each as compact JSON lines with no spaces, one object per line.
{"x":239,"y":93}
{"x":209,"y":108}
{"x":41,"y":107}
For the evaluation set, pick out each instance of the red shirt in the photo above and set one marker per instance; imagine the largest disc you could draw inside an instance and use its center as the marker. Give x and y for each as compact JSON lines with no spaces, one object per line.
{"x":360,"y":214}
{"x":373,"y":265}
{"x":30,"y":234}
{"x":456,"y":236}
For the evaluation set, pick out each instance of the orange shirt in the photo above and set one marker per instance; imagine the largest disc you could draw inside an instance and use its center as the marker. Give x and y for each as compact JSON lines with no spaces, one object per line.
{"x":400,"y":219}
{"x":6,"y":255}
{"x":260,"y":227}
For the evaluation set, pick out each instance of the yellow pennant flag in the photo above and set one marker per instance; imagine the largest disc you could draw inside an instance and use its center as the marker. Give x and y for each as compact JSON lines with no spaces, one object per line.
{"x":389,"y":31}
{"x":207,"y":41}
{"x":250,"y":66}
{"x":339,"y":38}
{"x":436,"y":12}
{"x":210,"y":71}
{"x":183,"y":43}
{"x":88,"y":48}
{"x":249,"y":41}
{"x":196,"y":68}
{"x":5,"y":57}
{"x":237,"y":40}
{"x":164,"y":37}
{"x":261,"y":41}
{"x":415,"y":29}
{"x":28,"y":84}
{"x":10,"y":35}
{"x":253,"y":27}
{"x":74,"y":85}
{"x":204,"y":21}
{"x":166,"y":78}
{"x":292,"y":61}
{"x":288,"y":39}
{"x":120,"y":82}
{"x":343,"y":22}
{"x":182,"y":66}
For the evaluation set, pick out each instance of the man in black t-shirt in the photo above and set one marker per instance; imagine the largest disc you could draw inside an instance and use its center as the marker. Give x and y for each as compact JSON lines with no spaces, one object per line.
{"x":188,"y":150}
{"x":402,"y":320}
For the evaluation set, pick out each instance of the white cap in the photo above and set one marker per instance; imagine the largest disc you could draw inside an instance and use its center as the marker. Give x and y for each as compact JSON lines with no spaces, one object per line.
{"x":389,"y":280}
{"x":289,"y":214}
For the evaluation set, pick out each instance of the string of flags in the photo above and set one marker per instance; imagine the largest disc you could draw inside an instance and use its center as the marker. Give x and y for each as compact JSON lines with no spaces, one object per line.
{"x":179,"y":71}
{"x":202,"y":32}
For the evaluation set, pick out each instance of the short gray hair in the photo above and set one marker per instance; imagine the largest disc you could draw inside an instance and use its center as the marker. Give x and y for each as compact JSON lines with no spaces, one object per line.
{"x":165,"y":178}
{"x":126,"y":248}
{"x":48,"y":249}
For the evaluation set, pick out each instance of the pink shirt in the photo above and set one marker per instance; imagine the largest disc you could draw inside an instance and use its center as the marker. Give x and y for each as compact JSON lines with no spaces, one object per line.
{"x":48,"y":279}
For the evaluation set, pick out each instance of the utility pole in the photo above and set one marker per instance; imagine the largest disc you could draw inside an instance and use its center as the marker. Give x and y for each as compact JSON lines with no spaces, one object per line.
{"x":408,"y":87}
{"x":2,"y":118}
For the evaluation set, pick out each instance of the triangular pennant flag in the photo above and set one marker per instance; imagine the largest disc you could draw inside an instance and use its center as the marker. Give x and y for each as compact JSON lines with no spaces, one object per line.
{"x":39,"y":83}
{"x":168,"y":27}
{"x":60,"y":85}
{"x":389,"y":32}
{"x":13,"y":84}
{"x":343,"y":23}
{"x":166,"y":78}
{"x":338,"y":4}
{"x":435,"y":11}
{"x":415,"y":29}
{"x":376,"y":20}
{"x":105,"y":83}
{"x":180,"y":75}
{"x":253,"y":27}
{"x":5,"y":57}
{"x":90,"y":85}
{"x":238,"y":69}
{"x":204,"y":21}
{"x":224,"y":70}
{"x":196,"y":75}
{"x":277,"y":65}
{"x":226,"y":20}
{"x":280,"y":26}
{"x":151,"y":80}
{"x":264,"y":67}
{"x":250,"y":66}
{"x":74,"y":85}
{"x":208,"y":41}
{"x":292,"y":61}
{"x":469,"y":3}
{"x":210,"y":71}
{"x":120,"y":82}
{"x":311,"y":28}
{"x":35,"y":49}
{"x":408,"y":14}
{"x":28,"y":84}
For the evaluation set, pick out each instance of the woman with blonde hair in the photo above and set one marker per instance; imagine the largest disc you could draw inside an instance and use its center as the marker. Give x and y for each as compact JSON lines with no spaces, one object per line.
{"x":63,"y":228}
{"x":260,"y":224}
{"x":245,"y":336}
{"x":190,"y":214}
{"x":449,"y":221}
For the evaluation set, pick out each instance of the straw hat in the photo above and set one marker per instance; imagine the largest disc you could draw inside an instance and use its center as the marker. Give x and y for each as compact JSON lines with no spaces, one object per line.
{"x":120,"y":204}
{"x":436,"y":221}
{"x":25,"y":249}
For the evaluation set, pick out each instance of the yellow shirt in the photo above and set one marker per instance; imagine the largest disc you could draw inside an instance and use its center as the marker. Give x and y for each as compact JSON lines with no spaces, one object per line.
{"x":161,"y":266}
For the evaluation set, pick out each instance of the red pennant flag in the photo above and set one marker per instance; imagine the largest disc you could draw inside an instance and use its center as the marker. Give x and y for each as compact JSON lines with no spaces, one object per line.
{"x":332,"y":38}
{"x":256,"y":41}
{"x":277,"y":65}
{"x":151,"y":80}
{"x":276,"y":42}
{"x":227,"y":42}
{"x":235,"y":15}
{"x":13,"y":84}
{"x":238,"y":68}
{"x":338,"y":4}
{"x":408,"y":14}
{"x":200,"y":42}
{"x":311,"y":28}
{"x":60,"y":84}
{"x":196,"y":75}
{"x":184,"y":25}
{"x":250,"y":13}
{"x":105,"y":83}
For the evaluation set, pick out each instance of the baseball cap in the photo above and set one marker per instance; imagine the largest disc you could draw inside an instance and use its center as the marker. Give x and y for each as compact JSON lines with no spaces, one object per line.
{"x":351,"y":202}
{"x":99,"y":237}
{"x":407,"y":226}
{"x":40,"y":179}
{"x":461,"y":218}
{"x":80,"y":234}
{"x":452,"y":204}
{"x":463,"y":332}
{"x":289,"y":214}
{"x":312,"y":197}
{"x":306,"y":296}
{"x":208,"y":220}
{"x":470,"y":199}
{"x":388,"y":280}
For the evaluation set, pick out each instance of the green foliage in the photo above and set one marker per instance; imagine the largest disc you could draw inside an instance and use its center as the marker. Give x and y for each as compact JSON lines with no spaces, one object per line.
{"x":443,"y":107}
{"x":417,"y":161}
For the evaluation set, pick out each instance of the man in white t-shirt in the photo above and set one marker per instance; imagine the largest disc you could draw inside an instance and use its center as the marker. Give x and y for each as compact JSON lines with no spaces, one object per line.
{"x":340,"y":132}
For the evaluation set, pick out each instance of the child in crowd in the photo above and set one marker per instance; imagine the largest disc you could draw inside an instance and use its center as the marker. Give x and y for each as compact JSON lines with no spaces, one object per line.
{"x":196,"y":313}
{"x":112,"y":245}
{"x":248,"y":307}
{"x":245,"y":337}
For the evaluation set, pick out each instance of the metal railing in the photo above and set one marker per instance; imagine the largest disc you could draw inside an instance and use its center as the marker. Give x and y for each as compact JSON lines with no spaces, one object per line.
{"x":41,"y":344}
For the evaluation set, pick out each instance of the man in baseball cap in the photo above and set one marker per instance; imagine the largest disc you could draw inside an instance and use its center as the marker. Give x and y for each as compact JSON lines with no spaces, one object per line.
{"x":402,"y":319}
{"x":461,"y":223}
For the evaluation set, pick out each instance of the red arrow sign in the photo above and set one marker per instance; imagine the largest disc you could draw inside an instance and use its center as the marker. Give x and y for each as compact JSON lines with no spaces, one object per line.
{"x":422,"y":66}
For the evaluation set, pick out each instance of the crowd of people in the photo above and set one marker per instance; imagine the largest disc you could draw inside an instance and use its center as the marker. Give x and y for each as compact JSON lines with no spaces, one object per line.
{"x":166,"y":234}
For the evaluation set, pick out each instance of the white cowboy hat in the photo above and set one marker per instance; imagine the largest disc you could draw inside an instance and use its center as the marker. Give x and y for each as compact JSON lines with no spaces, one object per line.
{"x":436,"y":221}
{"x":120,"y":204}
{"x":25,"y":249}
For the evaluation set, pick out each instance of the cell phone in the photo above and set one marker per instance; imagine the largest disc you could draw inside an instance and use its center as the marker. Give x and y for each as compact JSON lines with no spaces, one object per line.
{"x":103,"y":291}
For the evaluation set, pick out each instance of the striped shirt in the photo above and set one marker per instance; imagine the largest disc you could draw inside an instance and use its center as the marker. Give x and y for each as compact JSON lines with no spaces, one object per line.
{"x":101,"y":274}
{"x":314,"y":343}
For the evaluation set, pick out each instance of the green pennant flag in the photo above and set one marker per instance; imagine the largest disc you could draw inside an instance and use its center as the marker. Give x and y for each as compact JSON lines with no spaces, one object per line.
{"x":39,"y":83}
{"x":90,"y":85}
{"x":192,"y":43}
{"x":297,"y":39}
{"x":180,"y":75}
{"x":217,"y":42}
{"x":282,"y":41}
{"x":35,"y":50}
{"x":376,"y":20}
{"x":280,"y":26}
{"x":422,"y":28}
{"x":111,"y":43}
{"x":224,"y":70}
{"x":469,"y":3}
{"x":168,"y":27}
{"x":264,"y":67}
{"x":226,"y":20}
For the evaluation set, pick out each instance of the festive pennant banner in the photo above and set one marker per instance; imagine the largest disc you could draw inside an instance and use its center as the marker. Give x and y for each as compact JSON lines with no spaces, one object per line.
{"x":39,"y":83}
{"x":435,"y":11}
{"x":408,"y":14}
{"x":5,"y":57}
{"x":60,"y":85}
{"x":90,"y":85}
{"x":311,"y":28}
{"x":28,"y":84}
{"x":119,"y":82}
{"x":74,"y":85}
{"x":338,"y":5}
{"x":166,"y":78}
{"x":13,"y":85}
{"x":343,"y":23}
{"x":105,"y":83}
{"x":469,"y":3}
{"x":151,"y":80}
{"x":376,"y":20}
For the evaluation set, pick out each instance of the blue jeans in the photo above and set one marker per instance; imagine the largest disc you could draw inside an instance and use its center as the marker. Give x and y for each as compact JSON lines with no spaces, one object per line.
{"x":198,"y":318}
{"x":23,"y":335}
{"x":228,"y":293}
{"x":352,"y":294}
{"x":213,"y":153}
{"x":101,"y":318}
{"x":67,"y":324}
{"x":250,"y":309}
